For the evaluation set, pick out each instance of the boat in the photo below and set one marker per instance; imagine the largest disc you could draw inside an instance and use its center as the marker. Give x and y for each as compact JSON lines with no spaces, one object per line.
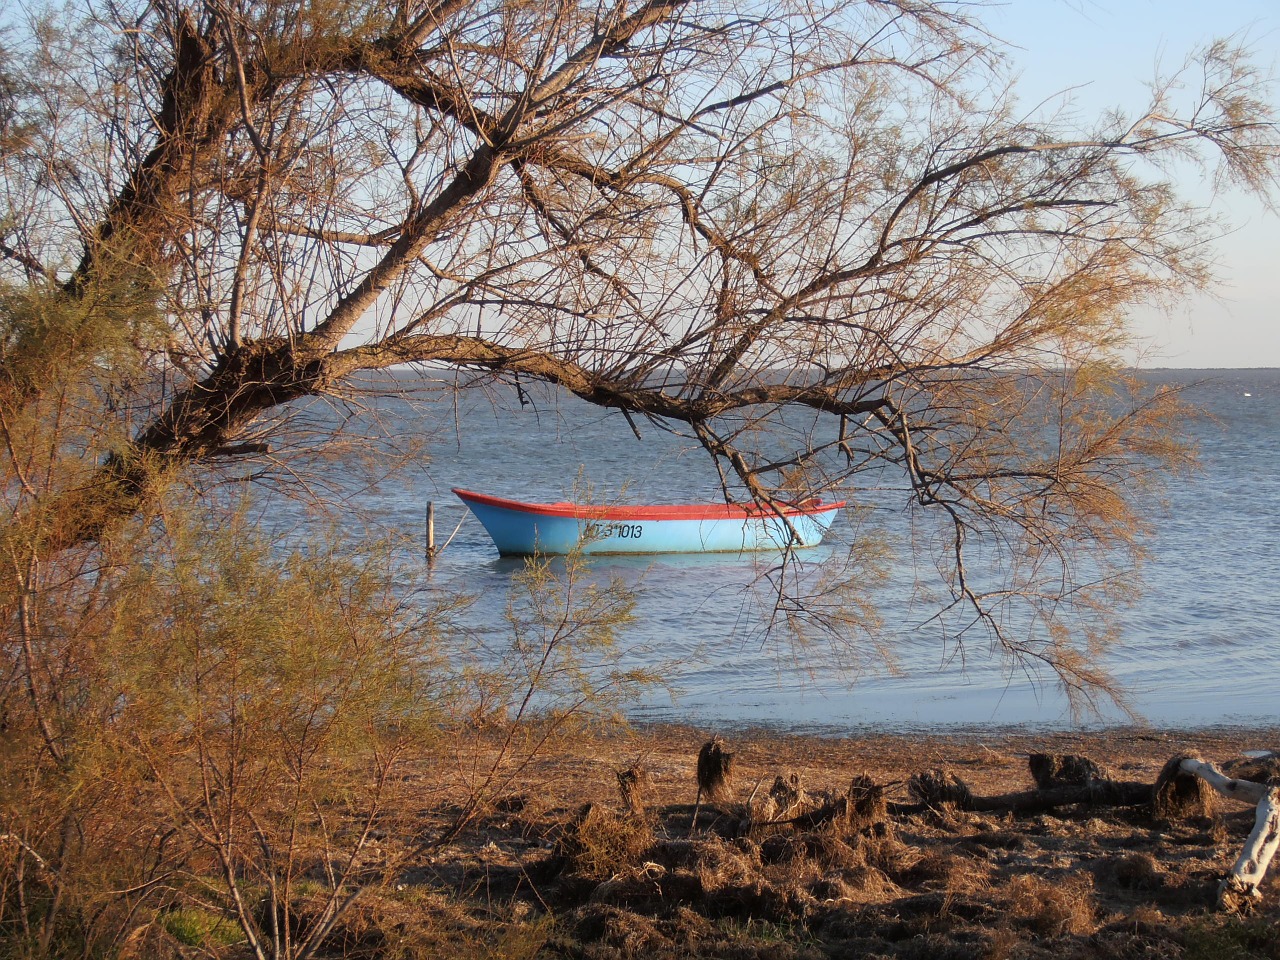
{"x":523,"y":529}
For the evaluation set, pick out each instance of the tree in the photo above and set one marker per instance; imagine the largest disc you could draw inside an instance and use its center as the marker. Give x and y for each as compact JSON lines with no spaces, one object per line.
{"x":700,"y":214}
{"x":208,"y":733}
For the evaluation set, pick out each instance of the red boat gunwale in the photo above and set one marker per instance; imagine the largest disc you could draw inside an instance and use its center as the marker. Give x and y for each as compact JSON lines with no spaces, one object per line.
{"x":671,"y":511}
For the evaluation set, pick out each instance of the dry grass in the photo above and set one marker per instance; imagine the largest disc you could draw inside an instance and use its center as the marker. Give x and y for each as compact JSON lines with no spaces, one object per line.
{"x":1179,"y":796}
{"x":1053,"y":907}
{"x":722,"y":865}
{"x":1132,"y":871}
{"x":948,"y":870}
{"x":599,"y":843}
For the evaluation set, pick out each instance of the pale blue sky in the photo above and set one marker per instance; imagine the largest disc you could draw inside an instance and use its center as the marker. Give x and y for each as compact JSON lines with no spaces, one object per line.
{"x":1106,"y":50}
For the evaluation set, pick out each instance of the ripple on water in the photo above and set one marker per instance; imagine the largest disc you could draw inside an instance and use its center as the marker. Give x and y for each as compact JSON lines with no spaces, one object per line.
{"x":1197,"y":648}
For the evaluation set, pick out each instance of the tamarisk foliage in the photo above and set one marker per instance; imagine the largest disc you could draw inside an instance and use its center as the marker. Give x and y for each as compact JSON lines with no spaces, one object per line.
{"x":832,"y":223}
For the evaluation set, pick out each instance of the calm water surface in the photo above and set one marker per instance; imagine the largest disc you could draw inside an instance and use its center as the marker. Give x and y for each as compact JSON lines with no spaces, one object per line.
{"x":1200,"y":648}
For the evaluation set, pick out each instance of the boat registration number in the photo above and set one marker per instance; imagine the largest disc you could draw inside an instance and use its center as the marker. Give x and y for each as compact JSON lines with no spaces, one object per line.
{"x":623,"y":531}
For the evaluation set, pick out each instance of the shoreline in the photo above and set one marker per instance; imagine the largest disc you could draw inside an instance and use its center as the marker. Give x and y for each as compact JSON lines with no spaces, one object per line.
{"x":835,"y":731}
{"x":990,"y":754}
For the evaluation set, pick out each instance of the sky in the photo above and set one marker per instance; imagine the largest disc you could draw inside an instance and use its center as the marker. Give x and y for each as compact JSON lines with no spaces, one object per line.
{"x":1104,"y":51}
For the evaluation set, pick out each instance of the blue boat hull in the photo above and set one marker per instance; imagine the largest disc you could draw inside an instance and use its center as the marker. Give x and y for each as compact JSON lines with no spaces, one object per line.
{"x":522,"y":532}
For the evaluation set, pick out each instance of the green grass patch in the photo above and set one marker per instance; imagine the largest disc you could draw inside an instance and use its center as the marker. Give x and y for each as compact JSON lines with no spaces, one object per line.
{"x":1233,"y":939}
{"x":197,"y":927}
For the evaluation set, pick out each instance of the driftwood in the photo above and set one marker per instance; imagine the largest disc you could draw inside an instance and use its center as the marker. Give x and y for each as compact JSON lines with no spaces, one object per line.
{"x":1107,"y":793}
{"x":861,"y":808}
{"x":1178,"y":792}
{"x":1180,"y":796}
{"x":1245,"y":791}
{"x":1064,"y":781}
{"x":1185,"y":788}
{"x":1239,"y":890}
{"x":1103,"y":793}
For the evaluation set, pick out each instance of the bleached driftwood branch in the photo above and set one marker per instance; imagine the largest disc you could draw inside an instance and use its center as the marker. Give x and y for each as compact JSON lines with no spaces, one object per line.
{"x":1259,"y":849}
{"x":1246,"y":791}
{"x":1241,"y":884}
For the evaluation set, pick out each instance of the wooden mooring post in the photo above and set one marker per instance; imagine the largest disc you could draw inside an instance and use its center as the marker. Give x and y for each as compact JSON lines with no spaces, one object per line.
{"x":431,"y":530}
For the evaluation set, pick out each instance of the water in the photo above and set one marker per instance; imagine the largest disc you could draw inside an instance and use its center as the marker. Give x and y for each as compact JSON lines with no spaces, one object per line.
{"x":1199,"y":648}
